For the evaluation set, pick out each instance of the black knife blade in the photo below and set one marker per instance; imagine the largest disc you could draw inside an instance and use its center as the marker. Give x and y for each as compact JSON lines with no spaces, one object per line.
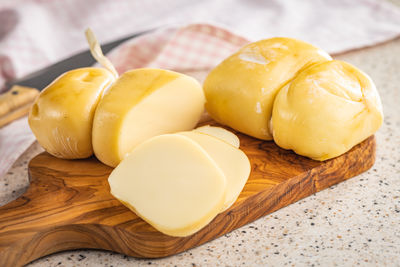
{"x":41,"y":78}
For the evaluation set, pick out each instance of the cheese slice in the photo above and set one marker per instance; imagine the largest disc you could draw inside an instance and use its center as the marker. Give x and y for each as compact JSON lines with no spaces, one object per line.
{"x":172,"y":183}
{"x":220,"y":133}
{"x":141,"y":104}
{"x":232,"y":161}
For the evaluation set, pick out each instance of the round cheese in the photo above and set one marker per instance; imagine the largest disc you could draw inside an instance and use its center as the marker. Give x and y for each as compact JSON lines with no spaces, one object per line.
{"x":241,"y":90}
{"x":62,"y":116}
{"x":326,"y":110}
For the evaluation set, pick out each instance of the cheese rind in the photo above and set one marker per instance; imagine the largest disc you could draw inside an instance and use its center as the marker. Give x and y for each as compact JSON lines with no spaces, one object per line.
{"x":62,"y":116}
{"x":141,"y":104}
{"x":220,"y":133}
{"x":233,"y":162}
{"x":241,"y":90}
{"x":329,"y":108}
{"x":172,"y":183}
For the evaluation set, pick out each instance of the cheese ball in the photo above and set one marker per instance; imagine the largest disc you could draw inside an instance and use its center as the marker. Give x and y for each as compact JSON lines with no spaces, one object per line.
{"x":62,"y":116}
{"x":241,"y":90}
{"x":326,"y":110}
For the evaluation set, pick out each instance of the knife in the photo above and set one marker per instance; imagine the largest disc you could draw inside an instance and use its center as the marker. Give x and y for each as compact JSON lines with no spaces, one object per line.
{"x":22,"y":92}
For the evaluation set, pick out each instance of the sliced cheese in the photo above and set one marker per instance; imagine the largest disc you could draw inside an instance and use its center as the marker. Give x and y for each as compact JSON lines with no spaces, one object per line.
{"x":232,"y":161}
{"x":141,"y":104}
{"x":220,"y":133}
{"x":172,"y":183}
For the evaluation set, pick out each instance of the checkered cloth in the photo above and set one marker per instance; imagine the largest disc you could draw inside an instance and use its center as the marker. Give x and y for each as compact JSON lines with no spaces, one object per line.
{"x":192,"y":47}
{"x":35,"y":33}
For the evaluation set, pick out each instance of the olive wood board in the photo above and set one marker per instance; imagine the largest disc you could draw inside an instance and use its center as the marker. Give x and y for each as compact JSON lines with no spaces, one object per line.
{"x":68,"y":204}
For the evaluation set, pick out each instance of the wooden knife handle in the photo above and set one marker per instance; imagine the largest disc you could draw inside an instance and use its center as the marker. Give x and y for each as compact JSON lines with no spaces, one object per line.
{"x":16,"y":103}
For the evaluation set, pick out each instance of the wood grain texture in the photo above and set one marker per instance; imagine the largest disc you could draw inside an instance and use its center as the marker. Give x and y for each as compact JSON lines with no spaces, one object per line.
{"x":68,"y":204}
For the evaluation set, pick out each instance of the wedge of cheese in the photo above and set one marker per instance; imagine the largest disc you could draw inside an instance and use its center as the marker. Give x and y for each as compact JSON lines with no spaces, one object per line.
{"x":62,"y":116}
{"x":141,"y":104}
{"x":172,"y":183}
{"x":220,"y":133}
{"x":232,"y":161}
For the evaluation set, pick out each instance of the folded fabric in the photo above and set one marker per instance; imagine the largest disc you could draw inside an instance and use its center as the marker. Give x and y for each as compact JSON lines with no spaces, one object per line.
{"x":33,"y":36}
{"x":36,"y":33}
{"x":195,"y":47}
{"x":192,"y":47}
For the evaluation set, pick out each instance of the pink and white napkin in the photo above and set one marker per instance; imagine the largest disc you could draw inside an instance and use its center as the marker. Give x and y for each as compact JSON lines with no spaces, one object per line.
{"x":36,"y":33}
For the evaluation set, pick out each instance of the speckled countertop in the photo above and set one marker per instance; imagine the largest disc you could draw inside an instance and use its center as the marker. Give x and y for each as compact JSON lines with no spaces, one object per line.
{"x":353,"y":223}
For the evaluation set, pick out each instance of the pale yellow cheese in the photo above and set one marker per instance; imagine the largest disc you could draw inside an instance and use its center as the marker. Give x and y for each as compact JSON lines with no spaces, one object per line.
{"x":172,"y":183}
{"x":220,"y":133}
{"x":232,"y":161}
{"x":141,"y":104}
{"x":326,"y":110}
{"x":61,"y":117}
{"x":241,"y":90}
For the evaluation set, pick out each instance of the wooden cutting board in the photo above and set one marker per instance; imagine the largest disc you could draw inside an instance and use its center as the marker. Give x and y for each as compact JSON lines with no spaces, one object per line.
{"x":68,"y":204}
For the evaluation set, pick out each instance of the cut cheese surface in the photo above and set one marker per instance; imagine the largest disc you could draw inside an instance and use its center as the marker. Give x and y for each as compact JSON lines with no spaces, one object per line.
{"x":172,"y":183}
{"x":220,"y":133}
{"x":144,"y":103}
{"x":62,"y":116}
{"x":232,"y":161}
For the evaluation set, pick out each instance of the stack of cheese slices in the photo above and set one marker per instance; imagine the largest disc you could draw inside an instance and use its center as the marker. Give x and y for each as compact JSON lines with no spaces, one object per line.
{"x":180,"y":182}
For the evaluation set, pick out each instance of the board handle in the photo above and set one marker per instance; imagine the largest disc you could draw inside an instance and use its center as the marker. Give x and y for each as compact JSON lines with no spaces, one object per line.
{"x":42,"y":221}
{"x":31,"y":226}
{"x":17,"y":229}
{"x":16,"y":103}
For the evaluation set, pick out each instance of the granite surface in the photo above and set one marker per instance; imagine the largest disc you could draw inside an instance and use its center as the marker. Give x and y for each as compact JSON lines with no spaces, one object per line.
{"x":356,"y":222}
